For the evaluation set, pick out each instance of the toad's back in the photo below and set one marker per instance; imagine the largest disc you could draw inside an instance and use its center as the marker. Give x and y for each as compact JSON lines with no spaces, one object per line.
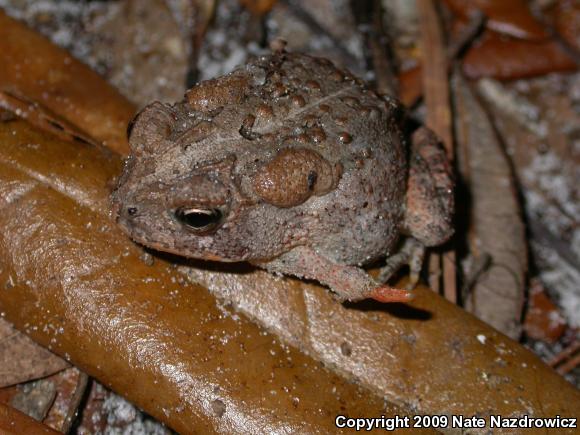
{"x":295,"y":111}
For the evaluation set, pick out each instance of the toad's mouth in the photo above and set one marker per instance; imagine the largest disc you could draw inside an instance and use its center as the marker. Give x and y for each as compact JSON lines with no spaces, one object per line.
{"x":141,"y":235}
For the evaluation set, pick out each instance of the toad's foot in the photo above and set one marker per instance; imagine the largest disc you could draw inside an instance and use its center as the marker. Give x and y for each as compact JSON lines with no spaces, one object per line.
{"x":387,"y":293}
{"x":348,"y":282}
{"x":412,"y":254}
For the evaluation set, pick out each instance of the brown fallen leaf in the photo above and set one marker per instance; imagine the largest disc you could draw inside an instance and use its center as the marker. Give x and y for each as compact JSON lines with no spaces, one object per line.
{"x":258,"y":7}
{"x":494,"y":215}
{"x":35,"y":398}
{"x":512,"y":17}
{"x":543,"y":320}
{"x":538,"y":123}
{"x":507,"y":58}
{"x":13,"y":422}
{"x":22,"y":360}
{"x":39,"y":71}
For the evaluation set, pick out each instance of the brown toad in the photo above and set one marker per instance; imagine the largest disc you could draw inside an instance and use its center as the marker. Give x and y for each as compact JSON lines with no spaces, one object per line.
{"x":293,"y":165}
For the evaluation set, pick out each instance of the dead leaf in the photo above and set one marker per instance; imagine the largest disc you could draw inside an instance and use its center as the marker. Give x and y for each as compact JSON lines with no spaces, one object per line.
{"x":35,"y":398}
{"x":508,"y":58}
{"x":543,"y":320}
{"x":539,"y":124}
{"x":39,"y":71}
{"x":402,"y":352}
{"x":22,"y":360}
{"x":494,"y":215}
{"x":258,"y":7}
{"x":13,"y":422}
{"x":512,"y":17}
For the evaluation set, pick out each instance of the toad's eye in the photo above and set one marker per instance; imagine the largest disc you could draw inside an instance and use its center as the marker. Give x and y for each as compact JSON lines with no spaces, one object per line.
{"x":199,"y":220}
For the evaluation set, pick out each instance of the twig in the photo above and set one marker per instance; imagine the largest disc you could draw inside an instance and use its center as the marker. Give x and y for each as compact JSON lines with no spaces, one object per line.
{"x":75,"y":401}
{"x":203,"y":12}
{"x":570,"y":365}
{"x":436,"y":91}
{"x":379,"y":55}
{"x":459,"y":45}
{"x":565,"y":354}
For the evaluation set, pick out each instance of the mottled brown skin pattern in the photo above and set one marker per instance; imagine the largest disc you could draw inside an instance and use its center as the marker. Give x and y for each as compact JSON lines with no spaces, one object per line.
{"x":305,"y":165}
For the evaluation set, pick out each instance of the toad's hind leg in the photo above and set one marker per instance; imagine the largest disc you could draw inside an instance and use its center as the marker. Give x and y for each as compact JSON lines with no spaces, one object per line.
{"x":429,"y":205}
{"x":412,"y":254}
{"x":348,"y":282}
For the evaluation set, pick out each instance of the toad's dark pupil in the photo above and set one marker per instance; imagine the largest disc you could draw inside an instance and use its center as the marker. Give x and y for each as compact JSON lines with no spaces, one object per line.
{"x":199,"y":219}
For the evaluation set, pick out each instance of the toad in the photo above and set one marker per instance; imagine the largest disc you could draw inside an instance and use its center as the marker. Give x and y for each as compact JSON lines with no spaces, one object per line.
{"x":293,"y":165}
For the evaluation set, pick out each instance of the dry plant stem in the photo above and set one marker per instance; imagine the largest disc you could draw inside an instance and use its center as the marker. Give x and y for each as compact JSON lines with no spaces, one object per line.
{"x":565,"y":354}
{"x":382,"y":55}
{"x":569,"y":365}
{"x":436,"y":91}
{"x":457,"y":47}
{"x":204,"y":12}
{"x":369,"y":15}
{"x":80,"y":389}
{"x":435,"y":272}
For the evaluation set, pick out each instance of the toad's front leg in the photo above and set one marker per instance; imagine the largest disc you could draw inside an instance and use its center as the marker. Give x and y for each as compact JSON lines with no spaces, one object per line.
{"x":348,"y":282}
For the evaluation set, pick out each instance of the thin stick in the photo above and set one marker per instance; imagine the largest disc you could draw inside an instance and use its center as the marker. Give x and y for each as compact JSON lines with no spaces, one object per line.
{"x":436,"y":91}
{"x":75,"y":402}
{"x":565,"y":354}
{"x":569,"y":365}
